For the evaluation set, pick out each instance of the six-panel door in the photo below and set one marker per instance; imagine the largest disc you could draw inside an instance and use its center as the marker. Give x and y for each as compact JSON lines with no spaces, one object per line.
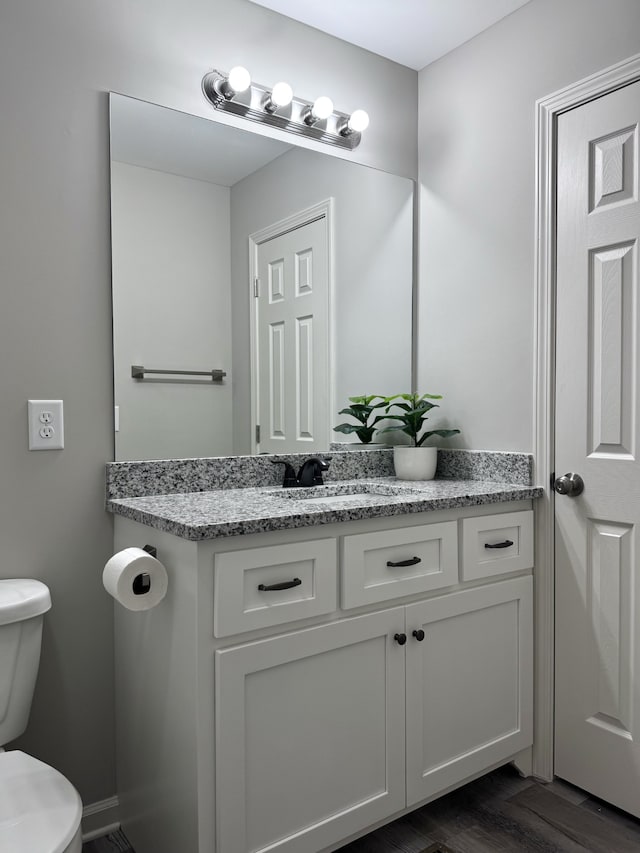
{"x":597,"y":435}
{"x":469,"y":683}
{"x":310,"y":735}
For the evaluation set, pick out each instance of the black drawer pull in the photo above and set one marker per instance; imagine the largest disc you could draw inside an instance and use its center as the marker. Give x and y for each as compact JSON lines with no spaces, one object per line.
{"x":506,"y":544}
{"x":282,"y":585}
{"x":412,"y":562}
{"x":419,"y":635}
{"x":400,"y":639}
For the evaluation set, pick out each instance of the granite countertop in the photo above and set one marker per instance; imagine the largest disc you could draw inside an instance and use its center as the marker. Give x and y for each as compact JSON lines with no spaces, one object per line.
{"x":232,"y":512}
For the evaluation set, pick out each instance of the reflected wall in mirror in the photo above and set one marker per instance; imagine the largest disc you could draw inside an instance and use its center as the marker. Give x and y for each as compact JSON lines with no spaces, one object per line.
{"x":199,"y":210}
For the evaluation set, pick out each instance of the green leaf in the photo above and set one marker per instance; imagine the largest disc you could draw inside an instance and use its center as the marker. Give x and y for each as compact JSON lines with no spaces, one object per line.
{"x":443,"y":433}
{"x":364,"y":433}
{"x":358,"y":414}
{"x":364,"y":400}
{"x":347,"y":429}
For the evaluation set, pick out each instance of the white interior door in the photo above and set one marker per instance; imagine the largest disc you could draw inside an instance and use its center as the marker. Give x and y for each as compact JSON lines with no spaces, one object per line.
{"x":292,"y":330}
{"x":597,"y":410}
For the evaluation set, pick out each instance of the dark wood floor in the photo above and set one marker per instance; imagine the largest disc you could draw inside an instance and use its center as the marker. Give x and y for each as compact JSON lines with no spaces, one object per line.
{"x":499,"y":813}
{"x":502,"y":813}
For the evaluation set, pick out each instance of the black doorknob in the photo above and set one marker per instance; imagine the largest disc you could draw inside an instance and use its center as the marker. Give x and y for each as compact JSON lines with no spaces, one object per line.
{"x":400,"y":639}
{"x":419,"y":635}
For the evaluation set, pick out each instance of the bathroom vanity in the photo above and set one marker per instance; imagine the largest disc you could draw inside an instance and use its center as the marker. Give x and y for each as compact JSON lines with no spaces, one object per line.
{"x":322,"y":662}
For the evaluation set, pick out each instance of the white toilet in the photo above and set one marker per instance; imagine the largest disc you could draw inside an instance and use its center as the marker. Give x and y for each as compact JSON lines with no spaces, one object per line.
{"x":40,"y":810}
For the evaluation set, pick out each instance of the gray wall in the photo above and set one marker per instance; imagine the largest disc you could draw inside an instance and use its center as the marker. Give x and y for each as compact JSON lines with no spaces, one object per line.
{"x":57,"y":61}
{"x":477,"y":162}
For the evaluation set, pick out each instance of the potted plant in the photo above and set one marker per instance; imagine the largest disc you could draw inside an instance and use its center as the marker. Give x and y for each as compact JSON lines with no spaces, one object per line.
{"x":414,"y":461}
{"x":362,"y":409}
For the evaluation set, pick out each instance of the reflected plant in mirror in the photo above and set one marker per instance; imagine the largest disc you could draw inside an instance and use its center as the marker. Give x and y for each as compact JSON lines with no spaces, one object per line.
{"x":237,"y":252}
{"x":362,"y":409}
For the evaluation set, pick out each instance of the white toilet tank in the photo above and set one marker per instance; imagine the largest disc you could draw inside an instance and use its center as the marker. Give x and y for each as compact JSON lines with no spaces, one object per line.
{"x":22,"y":605}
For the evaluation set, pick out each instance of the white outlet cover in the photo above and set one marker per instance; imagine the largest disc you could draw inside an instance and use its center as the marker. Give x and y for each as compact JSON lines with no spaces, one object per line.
{"x":46,"y":425}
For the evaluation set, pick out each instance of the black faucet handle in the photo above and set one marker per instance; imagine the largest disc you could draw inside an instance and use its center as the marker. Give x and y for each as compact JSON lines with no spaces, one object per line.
{"x":290,"y":478}
{"x":310,"y":473}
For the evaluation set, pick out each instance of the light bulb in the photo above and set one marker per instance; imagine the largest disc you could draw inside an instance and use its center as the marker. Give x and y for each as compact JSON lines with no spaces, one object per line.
{"x":358,"y":121}
{"x":282,"y":94}
{"x":239,"y":79}
{"x":322,"y":108}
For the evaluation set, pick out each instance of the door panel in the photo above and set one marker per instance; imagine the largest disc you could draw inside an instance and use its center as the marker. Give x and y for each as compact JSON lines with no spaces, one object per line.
{"x":597,"y":417}
{"x":310,"y":735}
{"x":469,"y":684}
{"x":292,"y":330}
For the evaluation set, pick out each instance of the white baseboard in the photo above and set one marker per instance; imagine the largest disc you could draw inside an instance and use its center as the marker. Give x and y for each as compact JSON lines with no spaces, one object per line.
{"x":100,"y":818}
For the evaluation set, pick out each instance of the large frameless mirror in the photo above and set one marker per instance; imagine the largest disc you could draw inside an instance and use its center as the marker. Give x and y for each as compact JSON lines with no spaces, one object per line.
{"x":256,"y":286}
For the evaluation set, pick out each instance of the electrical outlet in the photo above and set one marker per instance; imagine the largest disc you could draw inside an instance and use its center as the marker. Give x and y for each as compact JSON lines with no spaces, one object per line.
{"x":46,"y":425}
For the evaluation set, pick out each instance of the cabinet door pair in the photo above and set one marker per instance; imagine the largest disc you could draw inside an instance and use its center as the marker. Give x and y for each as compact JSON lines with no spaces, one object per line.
{"x":325,"y":731}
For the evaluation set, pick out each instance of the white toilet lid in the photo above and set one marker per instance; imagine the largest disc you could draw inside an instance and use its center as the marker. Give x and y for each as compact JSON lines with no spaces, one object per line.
{"x":40,"y":810}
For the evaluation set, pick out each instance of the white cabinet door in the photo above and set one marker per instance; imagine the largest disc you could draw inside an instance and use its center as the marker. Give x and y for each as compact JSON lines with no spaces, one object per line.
{"x":469,"y":683}
{"x":310,"y":735}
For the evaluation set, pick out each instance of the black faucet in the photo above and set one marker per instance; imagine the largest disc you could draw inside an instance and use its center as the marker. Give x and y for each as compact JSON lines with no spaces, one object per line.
{"x":290,"y":478}
{"x":310,"y":473}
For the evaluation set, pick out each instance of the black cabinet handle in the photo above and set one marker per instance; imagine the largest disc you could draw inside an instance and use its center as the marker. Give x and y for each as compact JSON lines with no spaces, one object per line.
{"x":419,"y":635}
{"x":283,"y":585}
{"x":506,"y":544}
{"x":400,"y":639}
{"x":412,"y":562}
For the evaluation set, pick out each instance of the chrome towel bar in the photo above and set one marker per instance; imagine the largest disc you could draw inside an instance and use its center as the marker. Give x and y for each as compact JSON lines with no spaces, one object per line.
{"x":139,"y":372}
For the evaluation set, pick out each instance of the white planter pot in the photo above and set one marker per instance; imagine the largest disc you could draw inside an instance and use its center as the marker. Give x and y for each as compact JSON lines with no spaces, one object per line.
{"x":415,"y":463}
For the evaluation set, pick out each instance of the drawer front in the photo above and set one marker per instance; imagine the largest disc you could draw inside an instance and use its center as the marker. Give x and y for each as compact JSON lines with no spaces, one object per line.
{"x":496,"y":544}
{"x":259,"y":587}
{"x":392,"y":563}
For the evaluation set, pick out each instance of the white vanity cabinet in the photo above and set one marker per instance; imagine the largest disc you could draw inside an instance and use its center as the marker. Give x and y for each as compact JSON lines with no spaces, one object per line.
{"x":300,"y":717}
{"x":311,"y":738}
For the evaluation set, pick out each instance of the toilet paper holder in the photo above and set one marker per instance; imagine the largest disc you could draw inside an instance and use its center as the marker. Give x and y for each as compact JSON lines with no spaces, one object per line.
{"x":142,"y":582}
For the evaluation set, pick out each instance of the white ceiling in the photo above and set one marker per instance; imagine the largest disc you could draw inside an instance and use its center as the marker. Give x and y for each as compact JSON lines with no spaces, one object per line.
{"x":411,"y":32}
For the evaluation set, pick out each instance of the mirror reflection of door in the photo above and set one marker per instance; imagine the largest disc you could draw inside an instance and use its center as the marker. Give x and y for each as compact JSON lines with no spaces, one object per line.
{"x":292,"y":363}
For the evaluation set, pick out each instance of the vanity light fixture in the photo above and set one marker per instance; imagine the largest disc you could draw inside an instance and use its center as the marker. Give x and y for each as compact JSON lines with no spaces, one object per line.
{"x":356,"y":123}
{"x":322,"y":108}
{"x":237,"y":94}
{"x":280,"y":96}
{"x":237,"y":80}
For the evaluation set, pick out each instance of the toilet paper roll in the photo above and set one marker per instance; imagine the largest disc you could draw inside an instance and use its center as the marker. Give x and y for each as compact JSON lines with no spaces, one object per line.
{"x":135,"y":579}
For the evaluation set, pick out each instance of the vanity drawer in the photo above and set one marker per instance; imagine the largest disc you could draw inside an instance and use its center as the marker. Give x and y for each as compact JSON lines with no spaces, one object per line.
{"x":243,"y":599}
{"x":496,"y":544}
{"x":372,"y":569}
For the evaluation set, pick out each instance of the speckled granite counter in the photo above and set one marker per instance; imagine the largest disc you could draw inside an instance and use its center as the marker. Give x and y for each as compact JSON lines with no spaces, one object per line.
{"x":172,"y":476}
{"x":232,"y":512}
